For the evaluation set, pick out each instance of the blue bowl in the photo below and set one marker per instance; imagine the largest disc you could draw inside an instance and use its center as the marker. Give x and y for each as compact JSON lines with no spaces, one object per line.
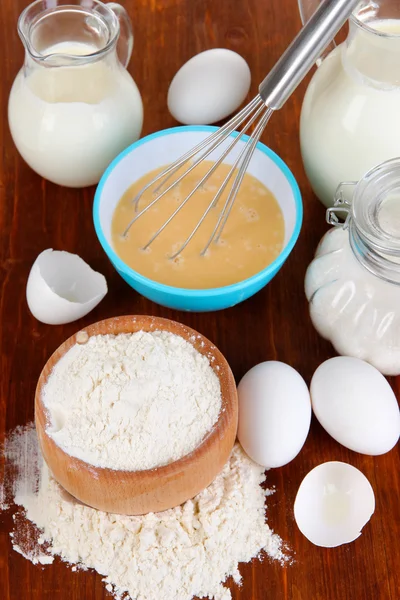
{"x":162,"y":148}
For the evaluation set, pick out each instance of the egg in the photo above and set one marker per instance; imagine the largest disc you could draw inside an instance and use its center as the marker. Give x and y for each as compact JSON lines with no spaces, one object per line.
{"x":334,"y":502}
{"x":209,"y":87}
{"x":274,"y":413}
{"x":356,"y":405}
{"x":62,"y":287}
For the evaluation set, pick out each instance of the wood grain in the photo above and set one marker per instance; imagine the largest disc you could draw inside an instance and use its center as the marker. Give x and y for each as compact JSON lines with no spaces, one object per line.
{"x":153,"y":490}
{"x":35,"y":215}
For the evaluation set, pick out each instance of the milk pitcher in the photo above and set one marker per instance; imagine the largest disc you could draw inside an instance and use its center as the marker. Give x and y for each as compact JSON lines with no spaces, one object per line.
{"x":350,"y":118}
{"x":73,"y":106}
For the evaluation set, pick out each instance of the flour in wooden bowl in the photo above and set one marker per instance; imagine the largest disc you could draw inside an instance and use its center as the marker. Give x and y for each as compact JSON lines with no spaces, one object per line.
{"x":131,"y":401}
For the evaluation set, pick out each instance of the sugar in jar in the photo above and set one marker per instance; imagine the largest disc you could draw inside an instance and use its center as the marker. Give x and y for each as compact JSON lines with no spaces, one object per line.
{"x":353,"y":283}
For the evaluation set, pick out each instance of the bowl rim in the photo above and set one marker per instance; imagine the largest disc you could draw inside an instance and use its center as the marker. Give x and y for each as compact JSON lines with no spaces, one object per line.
{"x":198,"y":292}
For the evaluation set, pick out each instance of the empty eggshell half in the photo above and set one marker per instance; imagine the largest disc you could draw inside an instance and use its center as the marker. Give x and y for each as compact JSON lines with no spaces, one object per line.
{"x":62,"y":288}
{"x":209,"y":87}
{"x":334,"y":502}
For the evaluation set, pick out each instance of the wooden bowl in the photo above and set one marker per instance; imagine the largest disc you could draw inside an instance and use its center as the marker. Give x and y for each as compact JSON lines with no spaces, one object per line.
{"x":153,"y":490}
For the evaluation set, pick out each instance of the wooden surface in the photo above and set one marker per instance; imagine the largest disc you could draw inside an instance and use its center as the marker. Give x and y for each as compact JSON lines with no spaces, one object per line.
{"x":152,"y":490}
{"x":273,"y":325}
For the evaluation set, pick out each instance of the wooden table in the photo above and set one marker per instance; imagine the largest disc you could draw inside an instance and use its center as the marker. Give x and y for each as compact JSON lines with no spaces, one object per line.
{"x":274,"y":325}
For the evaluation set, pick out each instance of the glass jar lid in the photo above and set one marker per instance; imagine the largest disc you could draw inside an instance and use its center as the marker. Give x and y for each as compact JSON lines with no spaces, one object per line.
{"x":375,"y":207}
{"x":373,"y":219}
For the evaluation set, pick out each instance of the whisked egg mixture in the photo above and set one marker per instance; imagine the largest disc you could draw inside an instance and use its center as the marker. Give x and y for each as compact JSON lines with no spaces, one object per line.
{"x":251,"y":240}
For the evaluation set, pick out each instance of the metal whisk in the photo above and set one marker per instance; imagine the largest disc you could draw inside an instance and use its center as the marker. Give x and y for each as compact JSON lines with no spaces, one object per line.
{"x":274,"y":91}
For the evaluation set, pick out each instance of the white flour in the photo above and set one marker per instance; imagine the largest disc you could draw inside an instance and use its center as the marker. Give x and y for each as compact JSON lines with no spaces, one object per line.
{"x":184,"y":552}
{"x":132,"y":401}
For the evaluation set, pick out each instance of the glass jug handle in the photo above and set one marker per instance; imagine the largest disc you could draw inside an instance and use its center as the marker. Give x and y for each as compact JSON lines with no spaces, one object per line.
{"x":126,"y":32}
{"x":306,"y":9}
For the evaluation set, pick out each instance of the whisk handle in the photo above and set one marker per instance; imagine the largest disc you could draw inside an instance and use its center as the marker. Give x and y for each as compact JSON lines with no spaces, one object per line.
{"x":302,"y":53}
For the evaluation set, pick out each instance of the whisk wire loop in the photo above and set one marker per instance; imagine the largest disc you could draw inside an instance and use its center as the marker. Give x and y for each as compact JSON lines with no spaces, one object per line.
{"x":224,"y":184}
{"x":220,"y":134}
{"x":246,"y":155}
{"x":212,"y":142}
{"x":222,"y":188}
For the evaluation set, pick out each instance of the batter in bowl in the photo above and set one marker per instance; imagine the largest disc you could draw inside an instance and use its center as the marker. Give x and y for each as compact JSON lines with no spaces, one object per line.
{"x":251,"y":240}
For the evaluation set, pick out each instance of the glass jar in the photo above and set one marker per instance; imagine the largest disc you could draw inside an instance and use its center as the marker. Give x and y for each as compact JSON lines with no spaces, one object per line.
{"x":353,"y":283}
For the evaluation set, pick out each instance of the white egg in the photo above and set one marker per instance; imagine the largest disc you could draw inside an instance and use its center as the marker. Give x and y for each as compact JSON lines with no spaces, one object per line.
{"x":356,"y":405}
{"x":62,"y":288}
{"x":334,"y":502}
{"x":274,"y":413}
{"x":209,"y":87}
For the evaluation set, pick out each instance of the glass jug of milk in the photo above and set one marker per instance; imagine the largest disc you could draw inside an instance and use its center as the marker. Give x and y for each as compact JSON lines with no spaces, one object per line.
{"x":353,"y":283}
{"x":73,"y":106}
{"x":350,"y":119}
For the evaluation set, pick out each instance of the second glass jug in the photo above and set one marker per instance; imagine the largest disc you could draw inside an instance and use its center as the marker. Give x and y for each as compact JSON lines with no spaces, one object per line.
{"x":350,"y":119}
{"x":73,"y":106}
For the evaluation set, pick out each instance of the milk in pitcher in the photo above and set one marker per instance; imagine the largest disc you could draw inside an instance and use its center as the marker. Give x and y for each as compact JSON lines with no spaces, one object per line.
{"x":73,"y":106}
{"x":350,"y":119}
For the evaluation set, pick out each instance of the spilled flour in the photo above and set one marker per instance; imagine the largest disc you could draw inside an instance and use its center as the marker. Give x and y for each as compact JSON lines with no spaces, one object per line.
{"x":178,"y":554}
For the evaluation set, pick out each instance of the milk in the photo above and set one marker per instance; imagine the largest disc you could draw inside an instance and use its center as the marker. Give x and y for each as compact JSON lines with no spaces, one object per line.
{"x":70,"y":122}
{"x":350,"y":119}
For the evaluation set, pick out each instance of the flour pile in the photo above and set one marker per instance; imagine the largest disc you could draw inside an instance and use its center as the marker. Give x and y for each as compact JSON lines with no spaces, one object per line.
{"x":180,"y":553}
{"x":132,"y":401}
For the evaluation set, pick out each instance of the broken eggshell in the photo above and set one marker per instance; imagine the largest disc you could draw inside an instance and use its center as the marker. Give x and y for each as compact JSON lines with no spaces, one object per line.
{"x":334,"y":502}
{"x":62,"y":288}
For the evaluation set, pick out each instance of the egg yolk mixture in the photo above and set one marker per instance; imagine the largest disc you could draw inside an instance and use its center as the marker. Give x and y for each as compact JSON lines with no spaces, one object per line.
{"x":252,"y":237}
